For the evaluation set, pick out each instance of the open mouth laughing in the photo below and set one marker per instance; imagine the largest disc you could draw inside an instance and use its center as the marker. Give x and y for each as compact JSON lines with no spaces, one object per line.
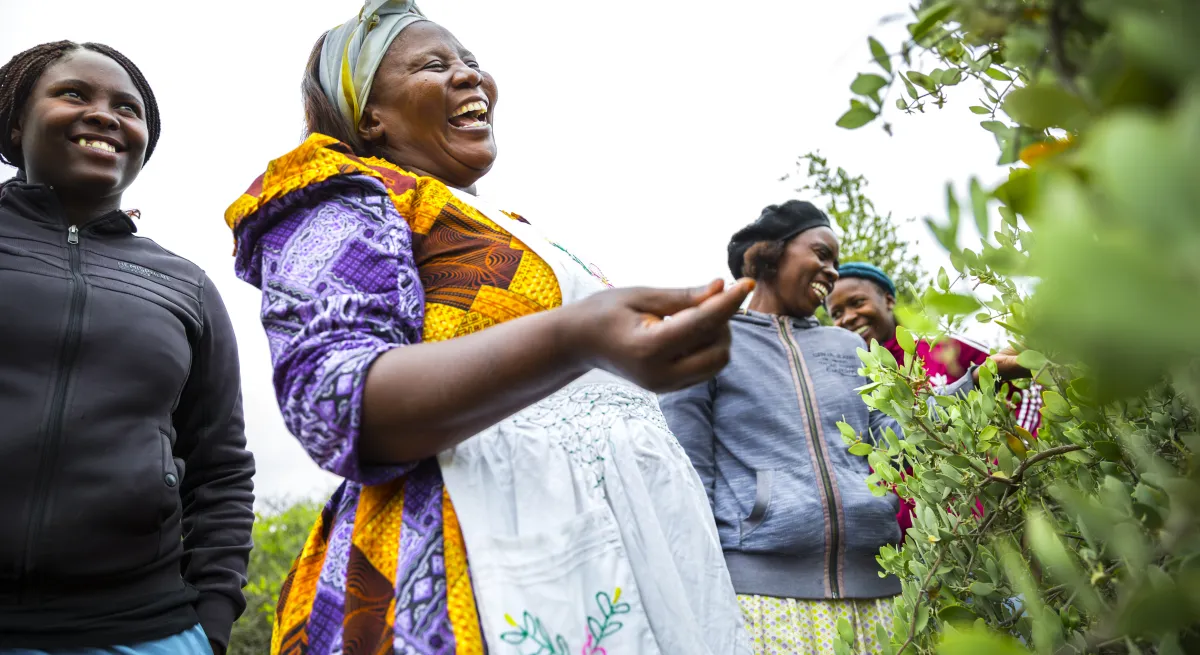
{"x":97,"y":143}
{"x":822,"y":289}
{"x":470,"y":115}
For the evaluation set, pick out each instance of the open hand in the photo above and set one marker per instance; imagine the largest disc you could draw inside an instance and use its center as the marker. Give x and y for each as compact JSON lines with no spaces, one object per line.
{"x":661,"y":339}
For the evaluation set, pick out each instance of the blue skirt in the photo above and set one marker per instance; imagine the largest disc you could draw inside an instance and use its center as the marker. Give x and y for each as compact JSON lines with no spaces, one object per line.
{"x":189,"y":642}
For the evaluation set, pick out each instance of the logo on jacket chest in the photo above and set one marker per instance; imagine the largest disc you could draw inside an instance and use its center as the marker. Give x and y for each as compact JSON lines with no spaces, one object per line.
{"x":837,"y":363}
{"x":143,"y":271}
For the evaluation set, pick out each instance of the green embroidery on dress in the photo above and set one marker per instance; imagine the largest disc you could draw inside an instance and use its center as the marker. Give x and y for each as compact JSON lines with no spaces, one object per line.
{"x":530,"y":632}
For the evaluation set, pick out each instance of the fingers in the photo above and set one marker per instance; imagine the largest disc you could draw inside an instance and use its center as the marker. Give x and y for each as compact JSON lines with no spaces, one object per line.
{"x":699,"y":326}
{"x":698,"y":366}
{"x":666,"y":302}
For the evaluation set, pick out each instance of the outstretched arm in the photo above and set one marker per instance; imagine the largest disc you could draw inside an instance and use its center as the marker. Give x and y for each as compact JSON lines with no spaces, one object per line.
{"x":359,"y":388}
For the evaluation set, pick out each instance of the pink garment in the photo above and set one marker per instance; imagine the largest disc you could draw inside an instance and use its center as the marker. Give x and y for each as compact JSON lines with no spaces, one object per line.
{"x":947,"y":361}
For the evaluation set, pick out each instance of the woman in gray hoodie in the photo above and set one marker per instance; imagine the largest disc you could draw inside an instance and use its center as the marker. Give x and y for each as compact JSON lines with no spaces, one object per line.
{"x":799,"y":527}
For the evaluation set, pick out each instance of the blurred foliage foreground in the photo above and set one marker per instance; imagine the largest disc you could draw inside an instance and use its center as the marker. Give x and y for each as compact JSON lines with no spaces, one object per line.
{"x":1090,"y":260}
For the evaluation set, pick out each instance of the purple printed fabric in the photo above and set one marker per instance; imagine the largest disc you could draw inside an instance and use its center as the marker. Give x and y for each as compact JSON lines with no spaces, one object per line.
{"x":334,"y":262}
{"x":422,"y":621}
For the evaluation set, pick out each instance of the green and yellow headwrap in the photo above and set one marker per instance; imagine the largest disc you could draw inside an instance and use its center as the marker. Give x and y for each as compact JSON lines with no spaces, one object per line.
{"x":352,"y":52}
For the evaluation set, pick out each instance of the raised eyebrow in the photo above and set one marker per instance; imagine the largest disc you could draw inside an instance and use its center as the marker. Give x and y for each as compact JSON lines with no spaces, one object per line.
{"x":125,"y":96}
{"x":70,"y":82}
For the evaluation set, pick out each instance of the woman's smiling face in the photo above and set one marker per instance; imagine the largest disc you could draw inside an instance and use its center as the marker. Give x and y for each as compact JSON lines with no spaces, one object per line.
{"x":862,"y":307}
{"x":83,"y":128}
{"x":431,"y":107}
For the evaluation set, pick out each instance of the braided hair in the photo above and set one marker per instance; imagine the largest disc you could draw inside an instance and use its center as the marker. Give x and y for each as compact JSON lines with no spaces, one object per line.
{"x":21,"y":73}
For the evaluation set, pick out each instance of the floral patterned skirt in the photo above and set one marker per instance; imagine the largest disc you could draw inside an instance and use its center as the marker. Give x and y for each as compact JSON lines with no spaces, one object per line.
{"x":789,"y":626}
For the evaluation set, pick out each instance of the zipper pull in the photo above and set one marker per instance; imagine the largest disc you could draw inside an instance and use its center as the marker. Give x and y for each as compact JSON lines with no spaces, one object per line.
{"x":73,"y":235}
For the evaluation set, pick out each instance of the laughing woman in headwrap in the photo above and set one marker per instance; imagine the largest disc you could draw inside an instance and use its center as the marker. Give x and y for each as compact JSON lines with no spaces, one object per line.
{"x":479,"y":389}
{"x":800,"y":527}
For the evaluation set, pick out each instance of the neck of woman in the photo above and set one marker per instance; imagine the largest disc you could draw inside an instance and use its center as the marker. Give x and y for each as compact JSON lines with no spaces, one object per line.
{"x":765,"y":301}
{"x":79,"y":211}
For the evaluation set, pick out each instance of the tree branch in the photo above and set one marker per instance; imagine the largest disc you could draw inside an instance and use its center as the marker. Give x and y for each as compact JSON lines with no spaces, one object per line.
{"x":912,"y":623}
{"x":1040,"y":457}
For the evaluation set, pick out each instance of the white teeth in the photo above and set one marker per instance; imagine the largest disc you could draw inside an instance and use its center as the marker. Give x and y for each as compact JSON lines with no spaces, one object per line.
{"x":97,"y":145}
{"x":820,"y":289}
{"x":470,"y":107}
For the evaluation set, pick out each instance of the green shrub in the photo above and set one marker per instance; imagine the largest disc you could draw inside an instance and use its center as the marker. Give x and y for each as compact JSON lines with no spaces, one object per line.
{"x":1090,"y":257}
{"x":279,"y":535}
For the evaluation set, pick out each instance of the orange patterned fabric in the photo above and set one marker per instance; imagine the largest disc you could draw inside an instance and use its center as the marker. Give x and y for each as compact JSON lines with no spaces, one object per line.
{"x":461,"y":600}
{"x":475,"y":275}
{"x":300,"y":589}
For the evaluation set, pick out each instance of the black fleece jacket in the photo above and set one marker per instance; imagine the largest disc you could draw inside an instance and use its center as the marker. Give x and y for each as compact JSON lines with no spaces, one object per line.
{"x":125,"y":483}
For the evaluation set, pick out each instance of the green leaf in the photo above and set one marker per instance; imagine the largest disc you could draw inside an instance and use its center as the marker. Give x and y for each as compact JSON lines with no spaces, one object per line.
{"x":996,"y":127}
{"x":905,"y":339}
{"x":951,"y":304}
{"x":979,"y":202}
{"x":908,"y":87}
{"x":900,"y":104}
{"x":929,"y":18}
{"x":1015,"y":445}
{"x":983,"y":588}
{"x":1044,"y":106}
{"x":922,"y":617}
{"x":1032,"y":360}
{"x":1054,"y":402}
{"x":922,"y":80}
{"x":956,"y":614}
{"x":976,"y":109}
{"x":856,"y":117}
{"x":997,"y":74}
{"x":867,"y":84}
{"x":845,"y":630}
{"x":952,"y":77}
{"x":978,"y":641}
{"x":1108,"y":450}
{"x":959,"y":462}
{"x":861,"y":449}
{"x":849,"y":436}
{"x":943,"y":280}
{"x":880,"y":55}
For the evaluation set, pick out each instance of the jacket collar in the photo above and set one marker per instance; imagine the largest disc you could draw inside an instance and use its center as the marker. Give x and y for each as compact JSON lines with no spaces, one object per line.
{"x":39,"y":203}
{"x":759,"y":318}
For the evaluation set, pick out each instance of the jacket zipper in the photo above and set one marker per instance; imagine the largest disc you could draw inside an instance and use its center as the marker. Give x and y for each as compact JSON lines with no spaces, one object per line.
{"x":53,"y":434}
{"x":832,"y":549}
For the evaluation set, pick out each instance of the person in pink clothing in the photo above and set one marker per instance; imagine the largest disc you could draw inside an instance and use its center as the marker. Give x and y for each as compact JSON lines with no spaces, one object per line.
{"x":863,"y":300}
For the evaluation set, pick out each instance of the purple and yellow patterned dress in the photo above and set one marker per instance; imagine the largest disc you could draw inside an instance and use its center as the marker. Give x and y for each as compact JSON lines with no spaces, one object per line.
{"x":588,"y":531}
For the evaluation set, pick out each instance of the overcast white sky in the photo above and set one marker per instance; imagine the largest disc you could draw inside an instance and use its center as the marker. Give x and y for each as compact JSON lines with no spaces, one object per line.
{"x":642,"y":135}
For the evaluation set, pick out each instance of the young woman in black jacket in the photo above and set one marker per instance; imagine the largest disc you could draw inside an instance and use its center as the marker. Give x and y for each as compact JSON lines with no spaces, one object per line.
{"x":125,"y":483}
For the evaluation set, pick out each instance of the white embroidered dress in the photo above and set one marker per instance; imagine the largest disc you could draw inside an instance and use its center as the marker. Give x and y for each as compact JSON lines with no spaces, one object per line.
{"x":587,"y":530}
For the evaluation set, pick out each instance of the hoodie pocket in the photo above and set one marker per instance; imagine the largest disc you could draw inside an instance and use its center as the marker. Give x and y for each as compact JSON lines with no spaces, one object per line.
{"x":170,"y":471}
{"x":763,"y":481}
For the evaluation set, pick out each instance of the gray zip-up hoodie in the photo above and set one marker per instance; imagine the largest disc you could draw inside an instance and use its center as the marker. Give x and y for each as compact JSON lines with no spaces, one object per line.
{"x":793,"y":510}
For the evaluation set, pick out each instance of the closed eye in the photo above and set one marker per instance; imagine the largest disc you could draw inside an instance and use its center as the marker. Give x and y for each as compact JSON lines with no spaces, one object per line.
{"x":434,"y":66}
